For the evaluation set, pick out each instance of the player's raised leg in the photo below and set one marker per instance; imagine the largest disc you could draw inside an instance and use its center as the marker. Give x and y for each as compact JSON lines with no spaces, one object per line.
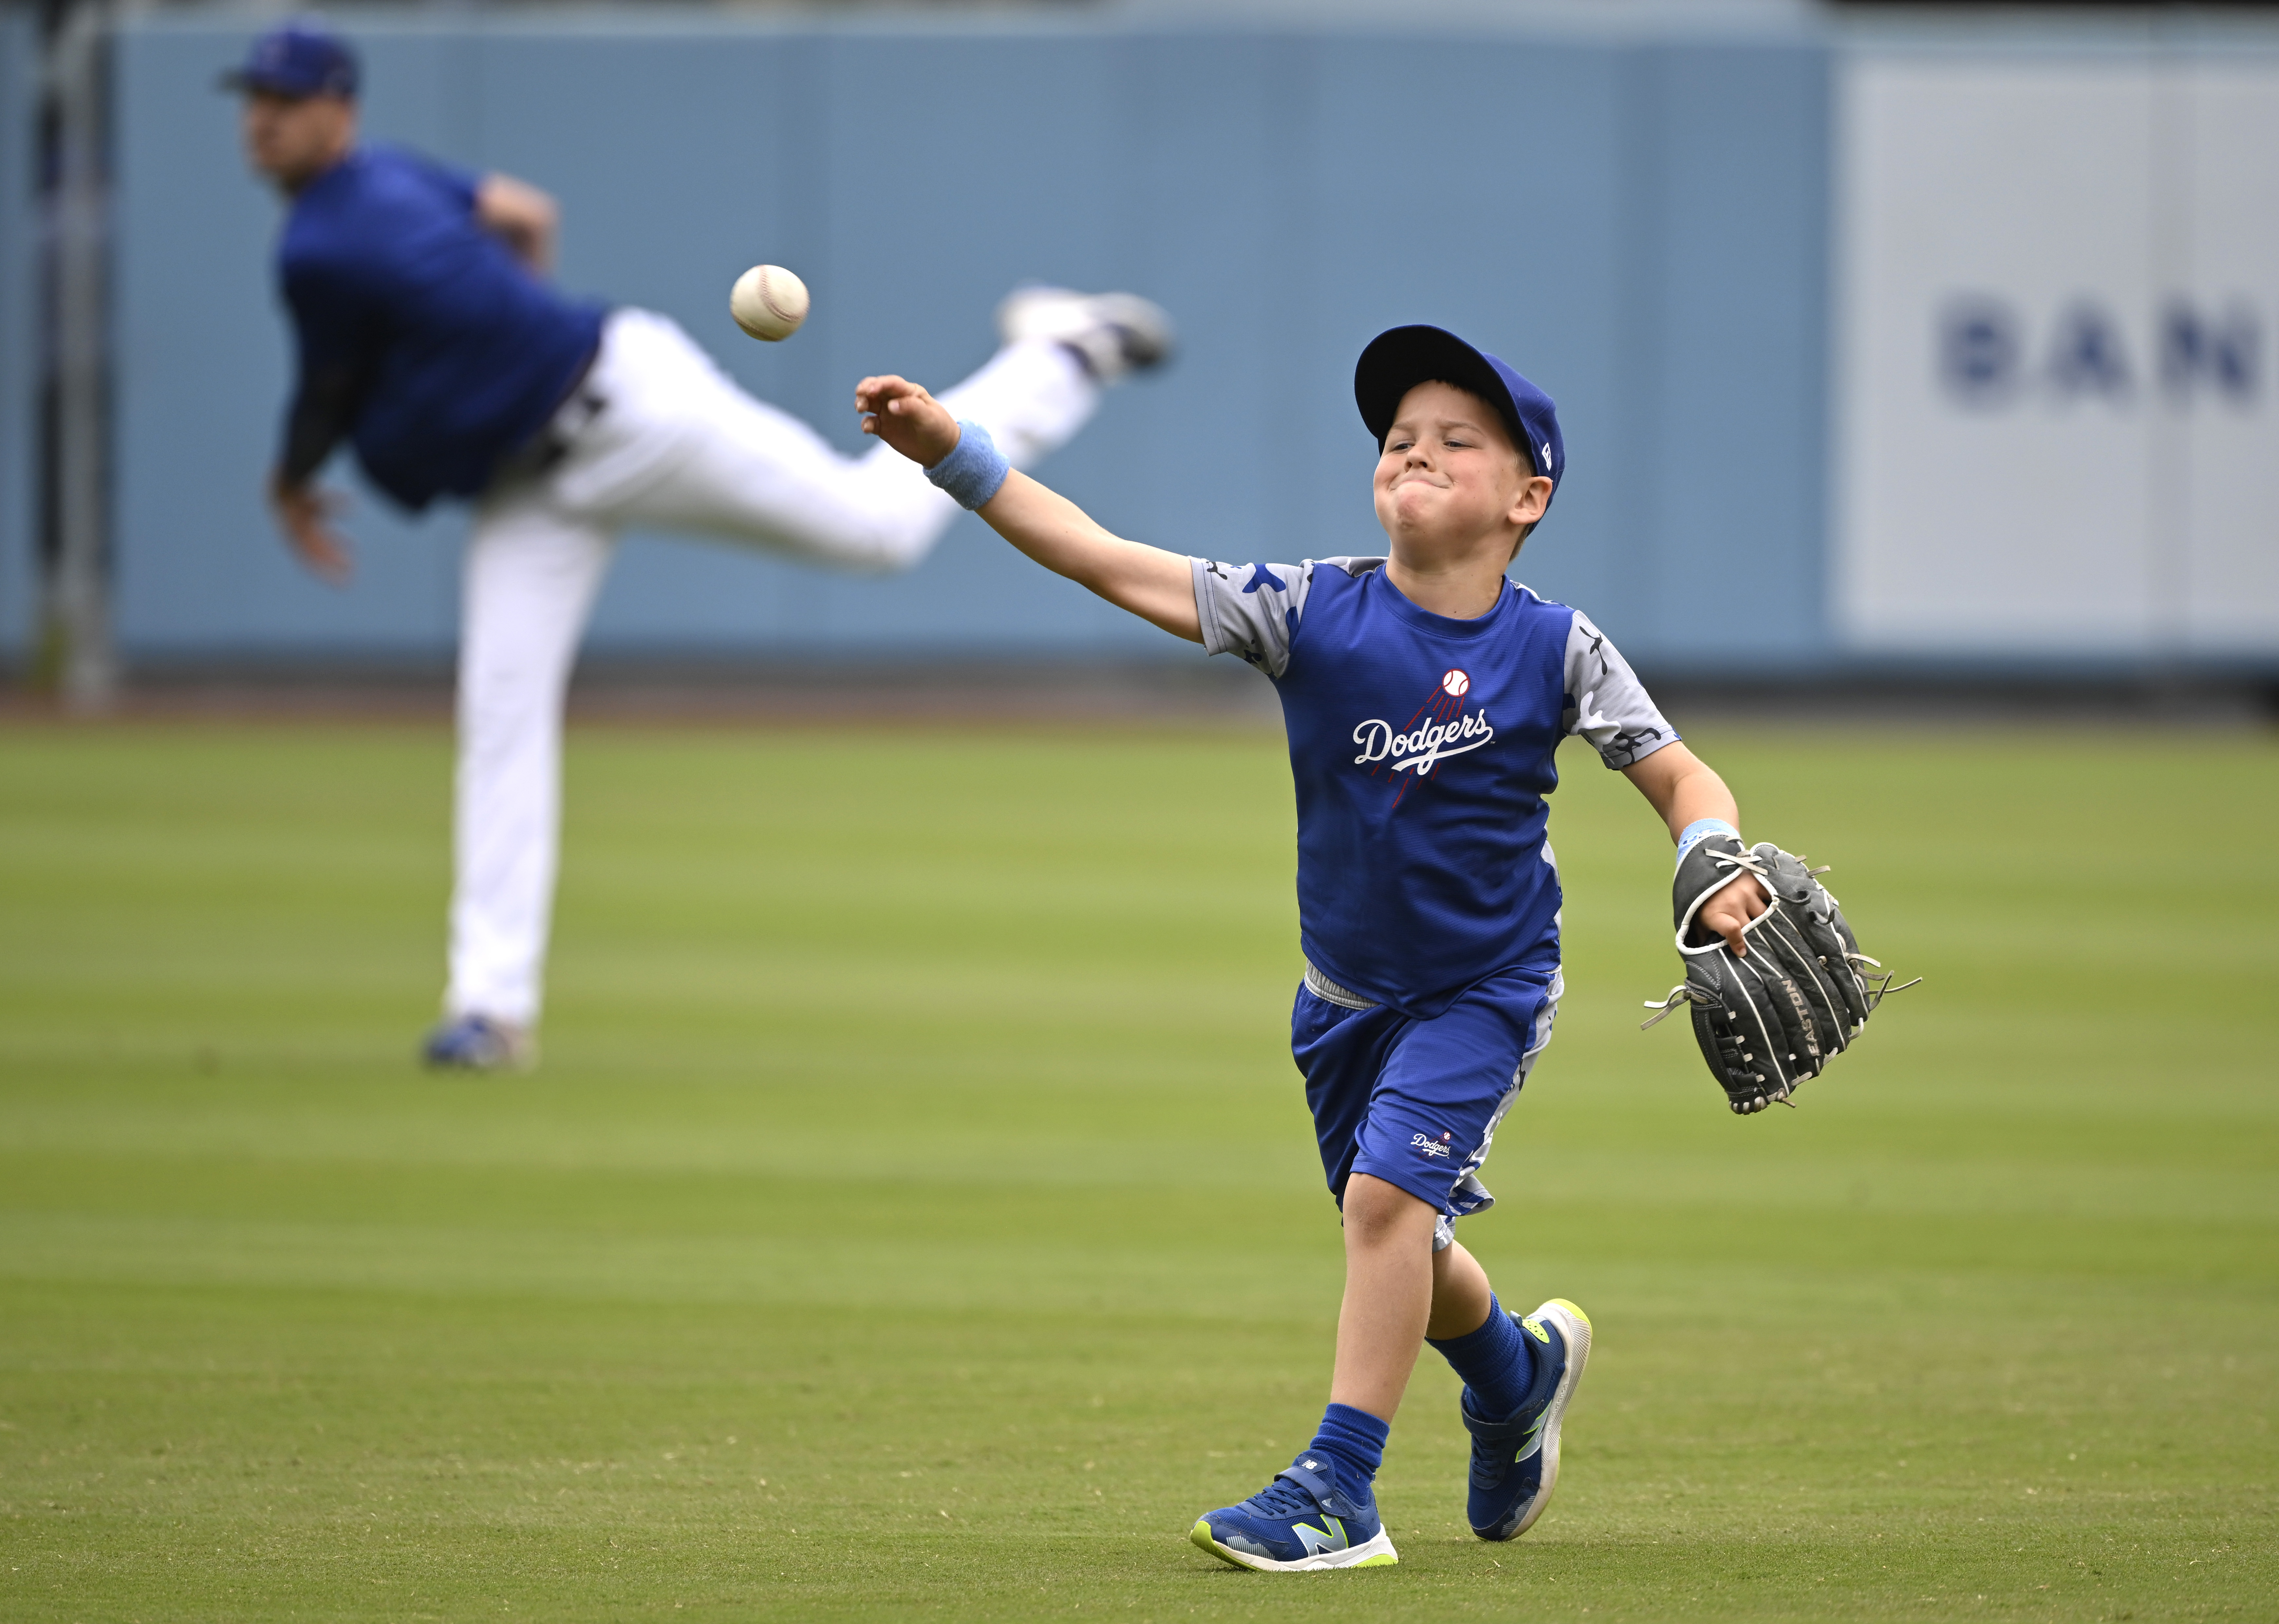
{"x":530,"y":577}
{"x":736,"y":468}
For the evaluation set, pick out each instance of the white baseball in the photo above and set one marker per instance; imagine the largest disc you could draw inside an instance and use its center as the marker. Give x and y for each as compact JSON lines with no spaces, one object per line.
{"x":768,"y":302}
{"x":1456,"y":682}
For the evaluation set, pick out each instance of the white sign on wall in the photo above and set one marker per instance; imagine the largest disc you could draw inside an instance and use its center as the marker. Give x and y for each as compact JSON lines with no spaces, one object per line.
{"x":2059,"y":301}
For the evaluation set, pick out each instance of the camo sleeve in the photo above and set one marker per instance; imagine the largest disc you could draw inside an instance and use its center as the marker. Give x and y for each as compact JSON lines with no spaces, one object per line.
{"x":1606,"y":703}
{"x":1251,"y":609}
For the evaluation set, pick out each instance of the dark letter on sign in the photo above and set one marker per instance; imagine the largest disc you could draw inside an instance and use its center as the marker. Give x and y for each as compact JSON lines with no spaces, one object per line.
{"x":2227,"y":356}
{"x":2087,"y":358}
{"x":1978,"y":350}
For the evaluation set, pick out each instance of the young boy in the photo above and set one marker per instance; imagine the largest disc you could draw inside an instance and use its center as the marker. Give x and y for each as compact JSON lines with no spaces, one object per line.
{"x":1425,"y":696}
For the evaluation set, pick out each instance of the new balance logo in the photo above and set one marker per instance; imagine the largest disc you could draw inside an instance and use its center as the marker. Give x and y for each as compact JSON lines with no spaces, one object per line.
{"x":1533,"y":1441}
{"x":1317,"y":1540}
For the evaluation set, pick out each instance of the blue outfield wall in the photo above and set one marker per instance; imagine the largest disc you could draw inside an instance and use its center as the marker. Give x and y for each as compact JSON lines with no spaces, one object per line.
{"x":19,"y":341}
{"x":1641,"y":226}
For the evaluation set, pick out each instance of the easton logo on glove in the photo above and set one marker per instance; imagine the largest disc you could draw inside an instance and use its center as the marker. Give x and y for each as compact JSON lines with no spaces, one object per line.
{"x":1768,"y":1022}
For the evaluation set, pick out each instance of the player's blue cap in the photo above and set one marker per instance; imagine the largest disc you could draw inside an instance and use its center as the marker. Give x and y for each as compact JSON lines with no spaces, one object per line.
{"x":1397,"y":361}
{"x":297,"y":58}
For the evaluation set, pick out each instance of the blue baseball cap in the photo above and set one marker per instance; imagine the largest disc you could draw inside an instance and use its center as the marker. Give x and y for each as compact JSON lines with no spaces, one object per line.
{"x":298,"y":58}
{"x":1397,"y":361}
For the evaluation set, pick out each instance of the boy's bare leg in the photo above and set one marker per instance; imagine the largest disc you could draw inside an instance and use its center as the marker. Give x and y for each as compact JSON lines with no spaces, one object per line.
{"x":1398,"y":1291}
{"x":1460,"y":1294}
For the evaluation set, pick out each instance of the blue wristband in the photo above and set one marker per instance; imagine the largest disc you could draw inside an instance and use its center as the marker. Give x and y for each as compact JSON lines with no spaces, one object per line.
{"x":1698,"y":829}
{"x":972,"y":473}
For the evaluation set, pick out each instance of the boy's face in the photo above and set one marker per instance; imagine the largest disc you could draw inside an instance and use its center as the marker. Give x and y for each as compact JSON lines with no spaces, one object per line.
{"x":1449,"y":477}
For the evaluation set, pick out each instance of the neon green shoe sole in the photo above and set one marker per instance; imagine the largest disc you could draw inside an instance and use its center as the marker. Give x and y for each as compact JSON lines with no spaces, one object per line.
{"x":1378,"y":1552}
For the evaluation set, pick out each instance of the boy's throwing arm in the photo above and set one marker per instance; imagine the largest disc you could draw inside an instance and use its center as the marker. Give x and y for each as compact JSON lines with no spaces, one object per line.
{"x":1156,"y":585}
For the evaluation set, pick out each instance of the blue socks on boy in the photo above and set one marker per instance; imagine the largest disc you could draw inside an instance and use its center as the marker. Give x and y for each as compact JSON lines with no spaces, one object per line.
{"x":1494,"y":1361}
{"x":1354,"y":1441}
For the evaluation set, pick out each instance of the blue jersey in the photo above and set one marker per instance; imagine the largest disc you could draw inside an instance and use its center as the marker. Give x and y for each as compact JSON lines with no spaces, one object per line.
{"x":422,"y":338}
{"x":1423,"y":749}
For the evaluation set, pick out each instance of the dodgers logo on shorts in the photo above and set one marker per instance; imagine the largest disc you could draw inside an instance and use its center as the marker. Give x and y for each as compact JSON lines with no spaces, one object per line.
{"x":1430,"y":1148}
{"x":1440,"y":728}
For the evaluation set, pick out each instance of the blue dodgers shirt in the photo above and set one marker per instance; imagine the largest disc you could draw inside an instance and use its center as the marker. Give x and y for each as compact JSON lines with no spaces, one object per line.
{"x":422,"y":337}
{"x":1422,"y":749}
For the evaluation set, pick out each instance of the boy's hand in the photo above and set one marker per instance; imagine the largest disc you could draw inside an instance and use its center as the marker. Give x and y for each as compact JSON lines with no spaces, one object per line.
{"x":904,"y":415}
{"x":1730,"y":911}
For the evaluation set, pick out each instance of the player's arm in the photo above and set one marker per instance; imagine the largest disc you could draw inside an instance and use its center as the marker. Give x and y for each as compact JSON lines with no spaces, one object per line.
{"x":329,"y":390}
{"x":1153,"y":584}
{"x":304,"y":513}
{"x":528,"y":219}
{"x":1683,"y":789}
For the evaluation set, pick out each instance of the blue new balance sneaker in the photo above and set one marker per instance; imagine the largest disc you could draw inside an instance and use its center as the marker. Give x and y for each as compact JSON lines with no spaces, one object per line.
{"x":1516,"y":1460}
{"x":477,"y":1043}
{"x":1301,"y":1523}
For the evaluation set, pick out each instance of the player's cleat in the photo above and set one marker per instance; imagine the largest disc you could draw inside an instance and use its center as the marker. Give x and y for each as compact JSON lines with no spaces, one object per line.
{"x":1516,"y":1460}
{"x":1111,"y":334}
{"x":1301,"y":1523}
{"x":477,"y":1043}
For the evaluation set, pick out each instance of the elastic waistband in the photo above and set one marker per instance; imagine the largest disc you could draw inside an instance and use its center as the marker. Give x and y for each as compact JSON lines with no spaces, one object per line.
{"x":544,"y":450}
{"x":1322,"y":986}
{"x":578,"y":404}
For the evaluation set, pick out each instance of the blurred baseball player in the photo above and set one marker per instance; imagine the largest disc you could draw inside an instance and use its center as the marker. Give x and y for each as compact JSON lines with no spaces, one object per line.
{"x":431,"y":340}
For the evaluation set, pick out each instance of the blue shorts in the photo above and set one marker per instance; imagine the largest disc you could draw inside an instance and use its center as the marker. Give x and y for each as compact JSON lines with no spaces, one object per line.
{"x":1415,"y":1103}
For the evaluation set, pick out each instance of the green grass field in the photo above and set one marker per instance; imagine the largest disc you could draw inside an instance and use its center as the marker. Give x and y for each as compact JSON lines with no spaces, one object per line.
{"x":916,"y":1214}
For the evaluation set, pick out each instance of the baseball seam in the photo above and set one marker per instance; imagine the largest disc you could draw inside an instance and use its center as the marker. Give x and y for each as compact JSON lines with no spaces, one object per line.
{"x":768,"y":298}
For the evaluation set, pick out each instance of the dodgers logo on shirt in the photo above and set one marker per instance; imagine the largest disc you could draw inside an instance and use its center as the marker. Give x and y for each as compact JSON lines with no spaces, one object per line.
{"x":1440,"y":728}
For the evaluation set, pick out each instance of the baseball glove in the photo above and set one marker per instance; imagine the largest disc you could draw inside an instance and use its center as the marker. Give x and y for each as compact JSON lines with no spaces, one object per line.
{"x":1768,"y":1022}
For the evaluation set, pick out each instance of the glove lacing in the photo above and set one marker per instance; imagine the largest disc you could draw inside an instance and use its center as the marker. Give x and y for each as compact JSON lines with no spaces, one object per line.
{"x":1877,"y":987}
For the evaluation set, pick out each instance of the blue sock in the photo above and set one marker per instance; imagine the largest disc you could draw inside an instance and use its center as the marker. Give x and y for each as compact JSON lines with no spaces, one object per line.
{"x":1494,"y":1361}
{"x":1354,"y":1441}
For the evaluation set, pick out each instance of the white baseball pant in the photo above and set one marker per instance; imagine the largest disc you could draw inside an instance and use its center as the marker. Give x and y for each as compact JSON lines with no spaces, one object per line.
{"x":675,"y":446}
